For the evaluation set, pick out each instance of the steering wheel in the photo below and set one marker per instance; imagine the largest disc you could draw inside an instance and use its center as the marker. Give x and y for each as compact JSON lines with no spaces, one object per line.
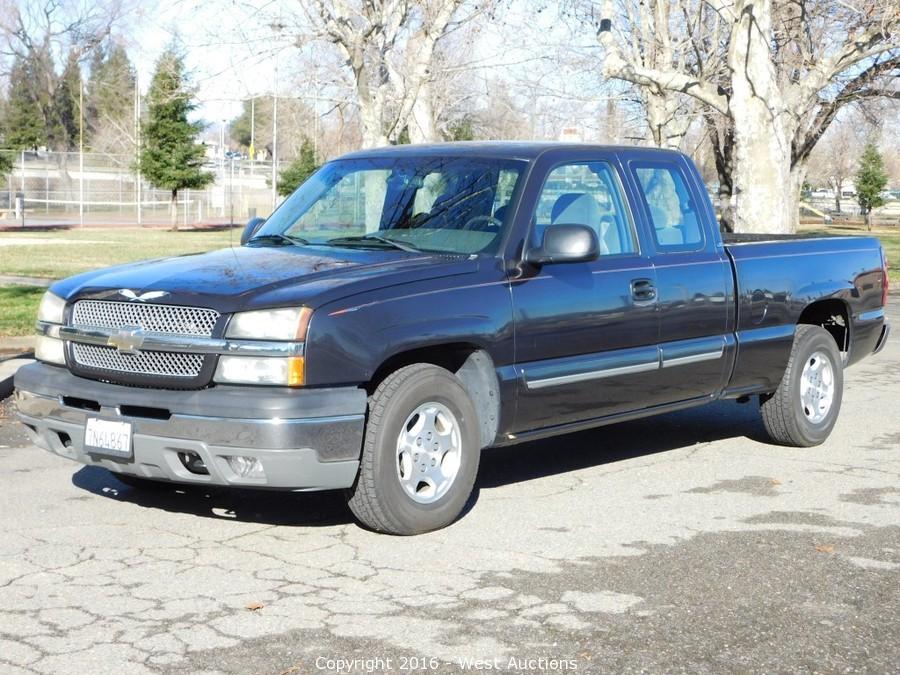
{"x":490,"y":224}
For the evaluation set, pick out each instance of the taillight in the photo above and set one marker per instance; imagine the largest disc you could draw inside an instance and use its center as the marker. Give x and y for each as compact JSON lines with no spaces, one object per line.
{"x":885,"y":282}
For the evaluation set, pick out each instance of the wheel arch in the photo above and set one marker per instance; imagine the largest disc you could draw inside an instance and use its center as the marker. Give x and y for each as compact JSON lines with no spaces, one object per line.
{"x":833,"y":315}
{"x":471,"y":363}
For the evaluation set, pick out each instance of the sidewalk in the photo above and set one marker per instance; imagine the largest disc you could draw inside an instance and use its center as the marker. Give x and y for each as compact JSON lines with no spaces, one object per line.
{"x":8,"y":368}
{"x":17,"y":280}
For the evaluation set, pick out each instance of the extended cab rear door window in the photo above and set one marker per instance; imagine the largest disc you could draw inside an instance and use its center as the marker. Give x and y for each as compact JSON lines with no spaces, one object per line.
{"x":586,"y":193}
{"x":672,"y":210}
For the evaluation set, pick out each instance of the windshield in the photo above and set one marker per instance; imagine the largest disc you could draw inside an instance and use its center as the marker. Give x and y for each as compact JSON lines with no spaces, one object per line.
{"x":437,"y":204}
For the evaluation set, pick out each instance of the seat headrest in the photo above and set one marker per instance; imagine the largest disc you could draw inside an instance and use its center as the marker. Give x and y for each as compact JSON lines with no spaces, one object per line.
{"x":576,"y":208}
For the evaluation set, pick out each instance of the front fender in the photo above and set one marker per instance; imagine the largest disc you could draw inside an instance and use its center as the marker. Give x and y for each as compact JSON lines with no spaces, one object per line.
{"x":350,"y":339}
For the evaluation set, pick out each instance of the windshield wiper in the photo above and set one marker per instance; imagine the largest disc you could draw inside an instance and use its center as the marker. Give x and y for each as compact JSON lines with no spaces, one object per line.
{"x":282,"y":238}
{"x":403,"y":246}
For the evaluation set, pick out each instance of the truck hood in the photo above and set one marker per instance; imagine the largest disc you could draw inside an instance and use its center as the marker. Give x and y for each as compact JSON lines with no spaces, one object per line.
{"x":252,"y":277}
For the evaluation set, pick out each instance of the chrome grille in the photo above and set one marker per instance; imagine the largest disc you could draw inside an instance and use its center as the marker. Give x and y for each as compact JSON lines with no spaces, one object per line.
{"x":166,"y":319}
{"x":162,"y":364}
{"x":170,"y":319}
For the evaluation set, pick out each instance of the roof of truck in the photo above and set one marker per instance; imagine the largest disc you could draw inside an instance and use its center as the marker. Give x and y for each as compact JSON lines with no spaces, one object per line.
{"x":498,"y":149}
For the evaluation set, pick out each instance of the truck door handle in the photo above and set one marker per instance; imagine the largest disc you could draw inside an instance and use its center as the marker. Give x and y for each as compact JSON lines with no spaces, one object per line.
{"x":643,"y":290}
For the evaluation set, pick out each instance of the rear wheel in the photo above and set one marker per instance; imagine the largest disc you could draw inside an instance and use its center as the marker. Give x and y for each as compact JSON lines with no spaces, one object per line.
{"x":421,"y":452}
{"x":805,"y":407}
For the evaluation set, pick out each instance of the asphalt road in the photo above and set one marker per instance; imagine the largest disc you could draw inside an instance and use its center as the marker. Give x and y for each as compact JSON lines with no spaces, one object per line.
{"x":683,"y":543}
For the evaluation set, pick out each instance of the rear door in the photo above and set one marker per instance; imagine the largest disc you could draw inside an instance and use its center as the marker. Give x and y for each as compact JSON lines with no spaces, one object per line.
{"x":693,"y":275}
{"x":586,"y":333}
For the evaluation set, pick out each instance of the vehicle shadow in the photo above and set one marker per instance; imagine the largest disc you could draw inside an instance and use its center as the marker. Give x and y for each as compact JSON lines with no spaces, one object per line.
{"x":266,"y":507}
{"x":617,"y":442}
{"x":499,"y":466}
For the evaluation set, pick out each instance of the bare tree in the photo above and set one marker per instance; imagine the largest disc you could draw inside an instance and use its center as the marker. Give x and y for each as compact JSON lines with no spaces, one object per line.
{"x":789,"y":68}
{"x":834,"y":159}
{"x":659,"y":36}
{"x":389,"y":48}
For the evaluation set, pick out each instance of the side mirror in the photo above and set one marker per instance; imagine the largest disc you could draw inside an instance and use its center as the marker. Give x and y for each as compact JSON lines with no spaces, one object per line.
{"x":251,"y":228}
{"x":565,"y":244}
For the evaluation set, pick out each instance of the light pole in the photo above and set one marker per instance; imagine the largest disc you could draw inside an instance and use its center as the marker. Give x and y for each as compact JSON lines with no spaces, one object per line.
{"x":81,"y":150}
{"x":275,"y":139}
{"x":277,"y":27}
{"x":252,"y":131}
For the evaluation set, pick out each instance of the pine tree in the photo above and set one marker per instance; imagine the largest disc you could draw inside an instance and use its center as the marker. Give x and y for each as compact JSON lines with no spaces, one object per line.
{"x":23,"y":122}
{"x":299,"y":170}
{"x":109,"y":100}
{"x":65,"y":121}
{"x":6,"y":163}
{"x":871,"y":179}
{"x":170,"y":157}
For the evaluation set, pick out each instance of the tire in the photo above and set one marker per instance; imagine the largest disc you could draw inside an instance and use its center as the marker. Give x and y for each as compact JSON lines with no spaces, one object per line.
{"x":400,"y":490}
{"x":815,"y":368}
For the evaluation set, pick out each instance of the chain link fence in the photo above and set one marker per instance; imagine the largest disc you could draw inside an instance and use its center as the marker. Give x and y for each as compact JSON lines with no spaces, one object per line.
{"x":55,"y":188}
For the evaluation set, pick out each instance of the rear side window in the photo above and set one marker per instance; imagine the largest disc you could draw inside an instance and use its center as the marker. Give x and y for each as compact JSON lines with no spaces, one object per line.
{"x":673,"y":213}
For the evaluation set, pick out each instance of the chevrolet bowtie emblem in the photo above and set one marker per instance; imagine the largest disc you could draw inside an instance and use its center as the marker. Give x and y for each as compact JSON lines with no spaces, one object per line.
{"x":143,"y":297}
{"x":128,"y":340}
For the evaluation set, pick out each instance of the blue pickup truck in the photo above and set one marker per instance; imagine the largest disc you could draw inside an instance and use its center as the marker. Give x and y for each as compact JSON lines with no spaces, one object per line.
{"x":410,"y":306}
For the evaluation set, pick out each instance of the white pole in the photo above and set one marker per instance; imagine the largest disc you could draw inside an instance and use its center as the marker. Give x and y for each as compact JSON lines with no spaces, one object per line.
{"x":275,"y":139}
{"x":316,"y":115}
{"x":252,"y":132}
{"x":81,"y":151}
{"x":137,"y":144}
{"x":277,"y":27}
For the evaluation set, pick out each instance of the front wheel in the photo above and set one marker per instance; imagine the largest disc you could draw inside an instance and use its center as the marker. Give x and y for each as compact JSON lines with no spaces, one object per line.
{"x":803,"y":410}
{"x":421,"y":452}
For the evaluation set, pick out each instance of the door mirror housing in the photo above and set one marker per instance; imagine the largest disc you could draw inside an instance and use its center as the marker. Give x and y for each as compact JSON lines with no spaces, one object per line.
{"x":251,"y":228}
{"x":565,"y":244}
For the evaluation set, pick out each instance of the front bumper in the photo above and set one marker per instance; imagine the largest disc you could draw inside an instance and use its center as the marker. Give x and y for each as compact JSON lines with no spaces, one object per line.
{"x":305,"y":439}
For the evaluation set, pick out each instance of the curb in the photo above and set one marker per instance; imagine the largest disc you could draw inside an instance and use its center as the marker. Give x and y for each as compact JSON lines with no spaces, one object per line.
{"x":8,"y":368}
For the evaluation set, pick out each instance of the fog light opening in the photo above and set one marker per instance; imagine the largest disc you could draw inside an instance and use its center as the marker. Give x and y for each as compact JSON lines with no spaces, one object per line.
{"x":193,"y":463}
{"x":65,"y":439}
{"x":246,"y":467}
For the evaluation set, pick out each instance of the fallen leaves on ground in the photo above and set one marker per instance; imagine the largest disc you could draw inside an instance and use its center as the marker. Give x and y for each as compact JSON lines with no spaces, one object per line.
{"x":825,"y":548}
{"x":255,"y":606}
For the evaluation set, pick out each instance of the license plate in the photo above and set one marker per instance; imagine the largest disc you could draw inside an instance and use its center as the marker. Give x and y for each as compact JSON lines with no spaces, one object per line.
{"x":105,"y":437}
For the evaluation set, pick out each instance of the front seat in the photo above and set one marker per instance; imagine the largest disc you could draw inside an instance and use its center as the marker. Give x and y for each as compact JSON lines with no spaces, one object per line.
{"x":580,"y":208}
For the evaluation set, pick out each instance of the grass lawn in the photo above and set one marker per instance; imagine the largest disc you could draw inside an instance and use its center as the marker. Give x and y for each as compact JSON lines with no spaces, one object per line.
{"x":62,"y":253}
{"x":18,"y":309}
{"x":889,"y":236}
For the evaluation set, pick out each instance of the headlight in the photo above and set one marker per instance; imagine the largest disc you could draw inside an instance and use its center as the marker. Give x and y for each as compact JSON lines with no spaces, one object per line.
{"x":51,"y":308}
{"x":270,"y":324}
{"x":49,"y":350}
{"x":286,"y":372}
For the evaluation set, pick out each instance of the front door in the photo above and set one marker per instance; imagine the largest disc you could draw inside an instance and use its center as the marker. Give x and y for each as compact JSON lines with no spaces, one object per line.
{"x":586,"y":333}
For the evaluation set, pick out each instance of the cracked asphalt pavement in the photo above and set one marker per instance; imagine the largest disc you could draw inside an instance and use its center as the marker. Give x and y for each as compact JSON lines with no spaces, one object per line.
{"x":683,"y":543}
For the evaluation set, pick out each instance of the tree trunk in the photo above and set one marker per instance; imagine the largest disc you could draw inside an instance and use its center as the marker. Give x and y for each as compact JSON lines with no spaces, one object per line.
{"x":371,"y":119}
{"x":868,"y":218}
{"x":722,"y":142}
{"x":173,"y":211}
{"x":798,"y":178}
{"x":762,"y":154}
{"x":421,"y":119}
